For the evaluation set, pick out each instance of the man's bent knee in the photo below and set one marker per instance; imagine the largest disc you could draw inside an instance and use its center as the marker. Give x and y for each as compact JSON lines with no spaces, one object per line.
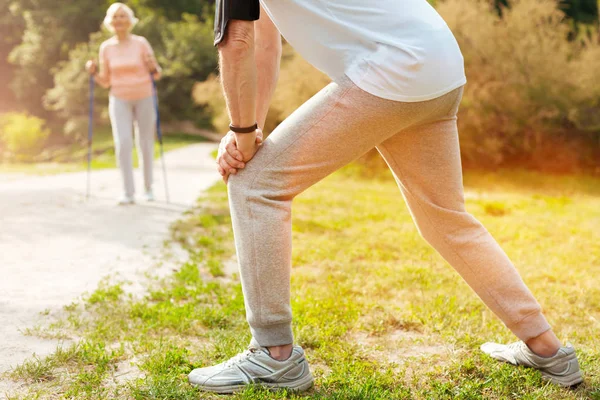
{"x":238,"y":185}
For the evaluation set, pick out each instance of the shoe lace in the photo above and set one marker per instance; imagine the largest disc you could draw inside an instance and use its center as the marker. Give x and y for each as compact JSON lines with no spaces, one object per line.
{"x":516,"y":346}
{"x":240,"y":357}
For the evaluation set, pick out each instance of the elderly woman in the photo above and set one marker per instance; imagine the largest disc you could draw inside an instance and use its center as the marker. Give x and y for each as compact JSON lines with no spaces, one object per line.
{"x":126,"y":63}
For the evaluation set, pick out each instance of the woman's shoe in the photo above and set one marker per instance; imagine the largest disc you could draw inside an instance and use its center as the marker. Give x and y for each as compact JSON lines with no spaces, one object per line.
{"x":125,"y":200}
{"x":149,"y":196}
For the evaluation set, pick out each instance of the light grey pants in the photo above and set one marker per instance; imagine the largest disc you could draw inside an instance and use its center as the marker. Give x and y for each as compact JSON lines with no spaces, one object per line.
{"x":124,"y":116}
{"x":419,"y":142}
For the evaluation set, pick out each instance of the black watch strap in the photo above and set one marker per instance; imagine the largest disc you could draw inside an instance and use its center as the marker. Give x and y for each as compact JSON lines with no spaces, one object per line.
{"x":237,"y":129}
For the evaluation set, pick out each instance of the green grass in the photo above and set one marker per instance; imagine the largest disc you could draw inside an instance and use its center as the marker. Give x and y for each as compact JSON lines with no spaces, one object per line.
{"x":379,"y":313}
{"x":73,"y":158}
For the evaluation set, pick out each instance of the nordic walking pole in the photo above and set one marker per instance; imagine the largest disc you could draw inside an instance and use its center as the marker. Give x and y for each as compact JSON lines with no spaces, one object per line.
{"x":159,"y":134}
{"x":90,"y":136}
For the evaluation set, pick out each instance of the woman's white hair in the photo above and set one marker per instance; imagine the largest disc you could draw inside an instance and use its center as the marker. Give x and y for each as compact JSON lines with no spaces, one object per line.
{"x":112,"y":10}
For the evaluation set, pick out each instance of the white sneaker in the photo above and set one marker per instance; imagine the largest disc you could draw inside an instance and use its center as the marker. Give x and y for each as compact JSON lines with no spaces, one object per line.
{"x":149,"y":196}
{"x":561,"y":369}
{"x":125,"y":200}
{"x":255,"y":366}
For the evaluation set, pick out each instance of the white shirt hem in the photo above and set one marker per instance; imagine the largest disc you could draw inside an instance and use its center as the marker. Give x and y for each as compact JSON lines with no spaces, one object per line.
{"x":398,"y":97}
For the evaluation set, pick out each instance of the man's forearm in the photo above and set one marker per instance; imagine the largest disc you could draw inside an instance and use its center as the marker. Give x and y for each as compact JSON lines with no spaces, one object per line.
{"x":238,"y":77}
{"x":238,"y":73}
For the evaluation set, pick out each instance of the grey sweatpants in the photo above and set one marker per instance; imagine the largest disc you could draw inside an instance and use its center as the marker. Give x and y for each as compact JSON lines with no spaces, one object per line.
{"x":419,"y":142}
{"x":124,"y":115}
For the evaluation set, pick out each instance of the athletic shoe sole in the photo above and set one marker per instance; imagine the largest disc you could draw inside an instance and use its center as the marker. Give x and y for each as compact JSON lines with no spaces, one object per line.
{"x":300,"y":385}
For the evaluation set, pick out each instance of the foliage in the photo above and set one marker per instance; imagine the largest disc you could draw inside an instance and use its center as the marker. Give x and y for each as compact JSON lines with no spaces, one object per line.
{"x":584,"y":11}
{"x":209,"y":94}
{"x":187,"y":55}
{"x":22,"y":135}
{"x":70,"y":94}
{"x":11,"y":30}
{"x":579,"y":11}
{"x":530,"y":89}
{"x":173,"y":9}
{"x":50,"y":32}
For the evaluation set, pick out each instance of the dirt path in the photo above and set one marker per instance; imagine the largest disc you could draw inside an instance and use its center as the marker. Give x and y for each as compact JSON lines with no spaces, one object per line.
{"x":55,"y":245}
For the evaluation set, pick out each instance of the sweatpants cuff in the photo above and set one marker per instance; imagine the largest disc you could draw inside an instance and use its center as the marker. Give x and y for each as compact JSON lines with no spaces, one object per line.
{"x":273,"y":335}
{"x":531,"y":326}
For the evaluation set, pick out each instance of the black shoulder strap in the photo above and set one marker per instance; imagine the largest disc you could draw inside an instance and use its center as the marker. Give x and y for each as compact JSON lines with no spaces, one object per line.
{"x":246,"y":10}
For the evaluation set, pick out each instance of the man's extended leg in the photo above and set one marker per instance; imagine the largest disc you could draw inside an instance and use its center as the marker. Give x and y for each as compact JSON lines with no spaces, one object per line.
{"x":425,"y":160}
{"x":426,"y":163}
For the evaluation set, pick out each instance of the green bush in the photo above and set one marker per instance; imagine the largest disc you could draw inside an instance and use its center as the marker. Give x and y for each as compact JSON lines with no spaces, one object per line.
{"x":51,"y":30}
{"x":23,"y":136}
{"x":532,"y":95}
{"x":187,"y":55}
{"x":69,"y":98}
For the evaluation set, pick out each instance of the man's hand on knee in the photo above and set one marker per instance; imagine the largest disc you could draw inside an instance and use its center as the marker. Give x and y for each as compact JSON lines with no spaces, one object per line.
{"x":229,"y":158}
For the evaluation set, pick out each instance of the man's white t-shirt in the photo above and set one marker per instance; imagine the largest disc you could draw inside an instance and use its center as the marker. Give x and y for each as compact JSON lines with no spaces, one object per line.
{"x":395,"y":49}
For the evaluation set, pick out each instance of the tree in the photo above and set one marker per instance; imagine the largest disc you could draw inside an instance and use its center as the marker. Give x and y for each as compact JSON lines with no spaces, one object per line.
{"x":580,"y":11}
{"x":187,"y":56}
{"x":11,"y":31}
{"x":584,"y":11}
{"x":50,"y":32}
{"x":174,"y":9}
{"x":67,"y":97}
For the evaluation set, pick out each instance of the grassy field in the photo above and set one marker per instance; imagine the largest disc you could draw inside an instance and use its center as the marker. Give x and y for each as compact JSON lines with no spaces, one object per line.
{"x":379,"y":313}
{"x":74,"y":158}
